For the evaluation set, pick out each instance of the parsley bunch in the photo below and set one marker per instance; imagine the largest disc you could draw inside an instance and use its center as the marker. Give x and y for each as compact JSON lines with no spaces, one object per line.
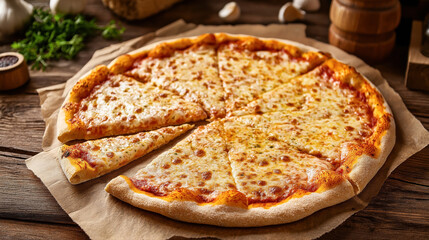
{"x":53,"y":37}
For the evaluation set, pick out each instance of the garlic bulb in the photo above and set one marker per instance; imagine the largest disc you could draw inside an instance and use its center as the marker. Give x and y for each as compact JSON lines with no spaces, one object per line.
{"x":307,"y":5}
{"x":288,"y":13}
{"x":67,"y":6}
{"x":14,"y":14}
{"x":230,"y":12}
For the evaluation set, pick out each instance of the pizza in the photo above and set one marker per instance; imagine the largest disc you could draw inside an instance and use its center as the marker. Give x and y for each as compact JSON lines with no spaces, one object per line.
{"x":284,"y":130}
{"x":87,"y":160}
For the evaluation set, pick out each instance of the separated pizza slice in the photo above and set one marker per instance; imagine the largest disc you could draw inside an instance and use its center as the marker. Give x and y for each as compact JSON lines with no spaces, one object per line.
{"x":84,"y":161}
{"x":103,"y":104}
{"x":250,"y":67}
{"x":188,"y":68}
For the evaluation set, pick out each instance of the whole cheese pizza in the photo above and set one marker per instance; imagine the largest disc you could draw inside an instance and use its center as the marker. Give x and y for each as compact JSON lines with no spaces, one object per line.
{"x":284,"y":130}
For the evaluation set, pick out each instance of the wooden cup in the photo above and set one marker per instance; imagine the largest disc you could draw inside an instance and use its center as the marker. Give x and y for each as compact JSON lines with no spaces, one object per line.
{"x":365,"y":27}
{"x":15,"y":75}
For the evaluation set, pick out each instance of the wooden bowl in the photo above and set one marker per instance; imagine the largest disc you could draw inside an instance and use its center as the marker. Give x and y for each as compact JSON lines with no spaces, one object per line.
{"x":15,"y":74}
{"x":365,"y":17}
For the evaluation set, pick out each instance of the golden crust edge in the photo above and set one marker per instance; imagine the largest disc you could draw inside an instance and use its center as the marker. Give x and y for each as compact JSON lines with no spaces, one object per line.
{"x":72,"y":173}
{"x":232,"y":216}
{"x":67,"y":131}
{"x":158,"y":49}
{"x":365,"y":167}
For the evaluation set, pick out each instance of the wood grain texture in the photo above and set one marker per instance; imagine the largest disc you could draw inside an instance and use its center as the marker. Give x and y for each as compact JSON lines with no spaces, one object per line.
{"x":372,"y":48}
{"x":365,"y":19}
{"x":17,"y":230}
{"x":23,"y":196}
{"x":28,"y":211}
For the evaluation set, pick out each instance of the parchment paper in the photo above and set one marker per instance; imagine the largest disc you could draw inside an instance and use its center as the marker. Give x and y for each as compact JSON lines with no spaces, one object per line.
{"x":104,"y":217}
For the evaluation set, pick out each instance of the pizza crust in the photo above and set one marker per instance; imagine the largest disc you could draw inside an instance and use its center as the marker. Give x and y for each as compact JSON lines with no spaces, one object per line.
{"x":232,"y":216}
{"x":366,"y":166}
{"x":74,"y":174}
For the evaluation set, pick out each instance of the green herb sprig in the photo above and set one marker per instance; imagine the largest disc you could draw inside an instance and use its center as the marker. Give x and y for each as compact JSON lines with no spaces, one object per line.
{"x":58,"y":36}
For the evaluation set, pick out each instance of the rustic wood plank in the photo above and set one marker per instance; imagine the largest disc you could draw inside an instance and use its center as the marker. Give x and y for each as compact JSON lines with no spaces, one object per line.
{"x":415,"y":170}
{"x":399,"y":210}
{"x":17,"y":230}
{"x":21,"y":124}
{"x":22,"y":194}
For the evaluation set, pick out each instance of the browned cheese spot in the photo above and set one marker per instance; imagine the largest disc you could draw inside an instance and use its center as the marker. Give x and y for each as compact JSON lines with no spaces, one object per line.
{"x":262,"y":183}
{"x":273,"y":138}
{"x":177,"y":161}
{"x":275,"y":190}
{"x":263,"y":163}
{"x":206,"y":175}
{"x":166,"y":166}
{"x":349,"y":128}
{"x":200,"y":153}
{"x":96,"y":148}
{"x":285,"y":158}
{"x":163,"y":95}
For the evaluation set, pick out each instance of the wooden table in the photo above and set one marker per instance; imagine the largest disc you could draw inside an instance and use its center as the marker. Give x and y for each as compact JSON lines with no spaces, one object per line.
{"x":28,"y":211}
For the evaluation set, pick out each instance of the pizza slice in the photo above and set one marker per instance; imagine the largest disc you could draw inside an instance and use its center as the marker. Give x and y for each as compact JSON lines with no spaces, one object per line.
{"x":271,"y":172}
{"x":103,"y":104}
{"x":250,"y":67}
{"x":84,"y":161}
{"x":187,"y":69}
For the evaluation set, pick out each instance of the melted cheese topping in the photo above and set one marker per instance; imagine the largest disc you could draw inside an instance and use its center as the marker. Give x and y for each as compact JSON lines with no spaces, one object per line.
{"x":199,"y":163}
{"x":248,"y":74}
{"x":192,"y":73}
{"x":111,"y":153}
{"x":266,"y":169}
{"x":122,"y":105}
{"x":314,"y":114}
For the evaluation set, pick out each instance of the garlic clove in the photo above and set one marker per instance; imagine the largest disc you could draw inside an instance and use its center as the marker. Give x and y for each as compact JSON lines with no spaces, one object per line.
{"x":307,"y":5}
{"x":288,"y":13}
{"x":230,"y":12}
{"x":13,"y":16}
{"x":67,"y":6}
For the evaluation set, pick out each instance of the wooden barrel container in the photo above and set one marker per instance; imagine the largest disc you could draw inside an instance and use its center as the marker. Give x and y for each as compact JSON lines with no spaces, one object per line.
{"x":364,"y":27}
